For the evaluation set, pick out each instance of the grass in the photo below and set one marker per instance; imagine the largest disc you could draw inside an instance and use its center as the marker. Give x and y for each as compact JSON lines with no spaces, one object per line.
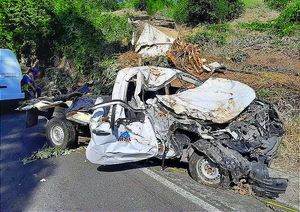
{"x":253,"y":3}
{"x":213,"y":33}
{"x":264,"y":93}
{"x":286,"y":24}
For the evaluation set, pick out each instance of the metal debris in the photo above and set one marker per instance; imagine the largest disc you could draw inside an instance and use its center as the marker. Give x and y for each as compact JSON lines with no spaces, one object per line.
{"x":214,"y":67}
{"x":154,"y":41}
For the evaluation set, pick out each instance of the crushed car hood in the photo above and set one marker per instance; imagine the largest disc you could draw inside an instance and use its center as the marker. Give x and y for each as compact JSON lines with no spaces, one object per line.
{"x":217,"y":100}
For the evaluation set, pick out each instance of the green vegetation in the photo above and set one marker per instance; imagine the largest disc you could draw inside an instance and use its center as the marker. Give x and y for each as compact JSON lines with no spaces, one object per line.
{"x":264,"y":93}
{"x":253,"y":3}
{"x":286,"y":24}
{"x":190,"y":11}
{"x":278,"y":4}
{"x":214,"y":11}
{"x":84,"y":32}
{"x":25,"y":25}
{"x":214,"y":34}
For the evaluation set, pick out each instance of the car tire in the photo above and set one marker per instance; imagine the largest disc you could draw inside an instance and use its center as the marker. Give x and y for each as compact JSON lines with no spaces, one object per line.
{"x":61,"y":133}
{"x":204,"y":171}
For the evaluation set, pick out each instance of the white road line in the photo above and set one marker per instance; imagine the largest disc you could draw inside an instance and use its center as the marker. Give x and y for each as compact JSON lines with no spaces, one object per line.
{"x":204,"y":205}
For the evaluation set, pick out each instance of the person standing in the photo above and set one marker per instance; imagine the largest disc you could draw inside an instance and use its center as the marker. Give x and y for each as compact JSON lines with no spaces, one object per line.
{"x":29,"y":86}
{"x":34,"y":73}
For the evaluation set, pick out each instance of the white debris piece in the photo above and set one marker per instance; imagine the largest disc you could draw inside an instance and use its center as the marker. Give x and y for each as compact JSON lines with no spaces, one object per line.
{"x":214,"y":67}
{"x":154,"y":40}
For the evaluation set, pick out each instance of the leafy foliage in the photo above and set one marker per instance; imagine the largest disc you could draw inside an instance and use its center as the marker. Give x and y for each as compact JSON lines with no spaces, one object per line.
{"x":25,"y":25}
{"x":213,"y":11}
{"x":286,"y":24}
{"x":278,"y":4}
{"x":191,"y":11}
{"x":83,"y":31}
{"x":180,"y":11}
{"x":210,"y":34}
{"x":291,"y":14}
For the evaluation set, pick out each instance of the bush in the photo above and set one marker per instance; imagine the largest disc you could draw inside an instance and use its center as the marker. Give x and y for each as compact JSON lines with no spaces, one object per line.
{"x":26,"y":26}
{"x":135,"y":4}
{"x":87,"y":33}
{"x":287,"y":23}
{"x":289,"y":19}
{"x":213,"y":10}
{"x":191,"y":11}
{"x":278,"y":4}
{"x":82,"y":31}
{"x":179,"y":11}
{"x":291,"y":14}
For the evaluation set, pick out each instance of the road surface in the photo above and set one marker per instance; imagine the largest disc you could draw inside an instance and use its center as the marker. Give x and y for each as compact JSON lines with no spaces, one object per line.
{"x":71,"y":183}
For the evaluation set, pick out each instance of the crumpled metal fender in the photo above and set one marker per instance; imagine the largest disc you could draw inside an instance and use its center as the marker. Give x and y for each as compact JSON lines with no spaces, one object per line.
{"x":239,"y":167}
{"x":227,"y":159}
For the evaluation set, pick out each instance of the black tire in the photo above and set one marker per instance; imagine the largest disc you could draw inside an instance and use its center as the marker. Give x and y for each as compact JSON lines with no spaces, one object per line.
{"x":61,"y":133}
{"x":199,"y":168}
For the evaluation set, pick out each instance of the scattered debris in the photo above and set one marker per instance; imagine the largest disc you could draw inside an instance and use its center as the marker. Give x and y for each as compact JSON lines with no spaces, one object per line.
{"x":47,"y":153}
{"x":186,"y":57}
{"x":214,"y":67}
{"x":243,"y":188}
{"x":153,"y":40}
{"x":133,"y":59}
{"x":153,"y":21}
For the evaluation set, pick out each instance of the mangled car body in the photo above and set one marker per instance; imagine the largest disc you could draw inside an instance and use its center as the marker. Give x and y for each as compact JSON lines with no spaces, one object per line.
{"x":226,"y":133}
{"x":219,"y":126}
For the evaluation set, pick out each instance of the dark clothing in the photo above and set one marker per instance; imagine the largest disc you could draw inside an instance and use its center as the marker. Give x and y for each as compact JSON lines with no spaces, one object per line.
{"x":29,"y":93}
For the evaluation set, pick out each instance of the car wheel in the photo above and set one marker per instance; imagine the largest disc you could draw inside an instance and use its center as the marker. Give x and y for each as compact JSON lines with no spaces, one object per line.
{"x":204,"y":171}
{"x":61,"y":133}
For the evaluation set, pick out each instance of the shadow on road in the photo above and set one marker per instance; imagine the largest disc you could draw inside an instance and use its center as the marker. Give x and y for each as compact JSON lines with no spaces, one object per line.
{"x":146,"y":163}
{"x":18,"y":181}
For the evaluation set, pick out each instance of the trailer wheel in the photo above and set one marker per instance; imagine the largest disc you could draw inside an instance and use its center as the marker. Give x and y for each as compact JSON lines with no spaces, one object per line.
{"x":61,"y":133}
{"x":204,"y":171}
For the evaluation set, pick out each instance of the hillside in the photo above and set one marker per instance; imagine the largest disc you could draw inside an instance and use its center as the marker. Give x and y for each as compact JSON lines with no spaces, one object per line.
{"x":75,"y":42}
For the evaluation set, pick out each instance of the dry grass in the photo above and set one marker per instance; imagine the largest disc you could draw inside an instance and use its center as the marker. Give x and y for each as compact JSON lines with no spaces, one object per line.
{"x":291,"y":142}
{"x":289,"y":156}
{"x":259,"y":80}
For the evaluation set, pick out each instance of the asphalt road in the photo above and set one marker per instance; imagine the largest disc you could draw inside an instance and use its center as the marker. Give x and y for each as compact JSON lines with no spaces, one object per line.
{"x":73,"y":184}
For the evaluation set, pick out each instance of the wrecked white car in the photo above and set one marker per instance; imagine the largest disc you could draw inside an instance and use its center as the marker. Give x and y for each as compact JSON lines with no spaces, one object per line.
{"x":226,"y":133}
{"x":219,"y":126}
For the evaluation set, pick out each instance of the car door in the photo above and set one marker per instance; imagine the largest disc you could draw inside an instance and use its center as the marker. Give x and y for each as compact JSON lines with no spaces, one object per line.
{"x":124,"y":139}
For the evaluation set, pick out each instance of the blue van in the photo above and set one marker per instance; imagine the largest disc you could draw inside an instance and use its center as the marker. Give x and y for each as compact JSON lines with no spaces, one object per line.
{"x":10,"y":76}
